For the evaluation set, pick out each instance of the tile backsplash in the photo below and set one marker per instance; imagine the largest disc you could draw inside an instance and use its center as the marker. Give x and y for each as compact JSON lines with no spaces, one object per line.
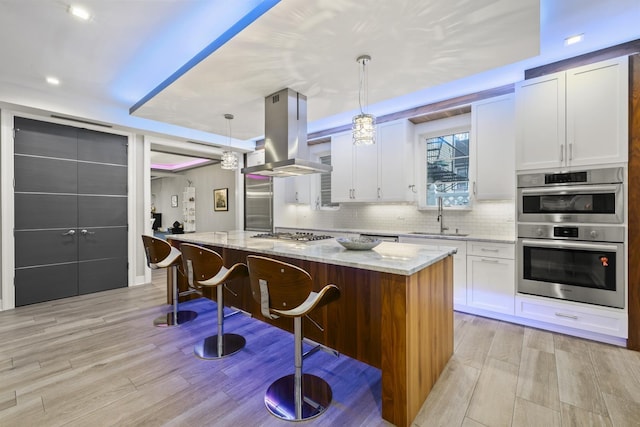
{"x":495,"y":218}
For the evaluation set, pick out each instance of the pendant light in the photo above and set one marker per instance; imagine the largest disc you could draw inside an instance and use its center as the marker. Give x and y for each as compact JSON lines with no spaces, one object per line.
{"x":229,"y":158}
{"x":363,"y":125}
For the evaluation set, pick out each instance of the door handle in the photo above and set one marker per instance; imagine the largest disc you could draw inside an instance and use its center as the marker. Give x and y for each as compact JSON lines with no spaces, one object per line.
{"x":69,"y":233}
{"x":85,"y":232}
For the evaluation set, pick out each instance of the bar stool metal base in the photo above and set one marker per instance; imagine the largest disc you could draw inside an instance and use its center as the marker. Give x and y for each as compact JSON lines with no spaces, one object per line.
{"x":168,"y":319}
{"x":208,"y":348}
{"x":280,"y":397}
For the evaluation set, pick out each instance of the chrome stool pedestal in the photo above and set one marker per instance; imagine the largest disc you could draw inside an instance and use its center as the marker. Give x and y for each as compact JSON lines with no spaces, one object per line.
{"x":220,"y":345}
{"x":298,"y":396}
{"x":175,"y":317}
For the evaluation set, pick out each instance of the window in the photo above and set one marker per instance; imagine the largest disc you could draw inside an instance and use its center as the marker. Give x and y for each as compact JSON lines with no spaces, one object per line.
{"x":325,"y":184}
{"x":447,"y":161}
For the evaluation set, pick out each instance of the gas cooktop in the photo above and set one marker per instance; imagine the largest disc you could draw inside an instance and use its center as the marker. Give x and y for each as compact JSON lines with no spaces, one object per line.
{"x":298,"y":237}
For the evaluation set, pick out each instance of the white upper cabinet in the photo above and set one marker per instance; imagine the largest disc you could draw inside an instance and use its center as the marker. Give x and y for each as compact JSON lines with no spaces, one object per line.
{"x":598,"y":113}
{"x":395,"y":160}
{"x":573,"y":118}
{"x":373,"y":173}
{"x":493,"y":147}
{"x":297,"y":189}
{"x":342,"y":161}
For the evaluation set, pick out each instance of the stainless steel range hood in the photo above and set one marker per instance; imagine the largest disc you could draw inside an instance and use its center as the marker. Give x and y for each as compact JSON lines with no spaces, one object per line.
{"x":285,"y":141}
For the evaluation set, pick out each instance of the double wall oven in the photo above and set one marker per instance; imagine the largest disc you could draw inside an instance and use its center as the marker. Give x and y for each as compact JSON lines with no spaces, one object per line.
{"x":571,"y":236}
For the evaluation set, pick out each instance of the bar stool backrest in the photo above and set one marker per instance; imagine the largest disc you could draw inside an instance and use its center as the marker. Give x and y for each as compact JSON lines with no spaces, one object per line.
{"x":202,"y":262}
{"x":155,"y":249}
{"x":288,"y":285}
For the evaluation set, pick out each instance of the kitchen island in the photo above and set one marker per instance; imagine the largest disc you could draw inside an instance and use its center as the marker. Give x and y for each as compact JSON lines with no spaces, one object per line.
{"x":395,"y":311}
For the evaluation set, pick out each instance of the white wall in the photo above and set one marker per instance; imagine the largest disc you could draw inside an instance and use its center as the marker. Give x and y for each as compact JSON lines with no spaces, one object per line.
{"x":205,"y":179}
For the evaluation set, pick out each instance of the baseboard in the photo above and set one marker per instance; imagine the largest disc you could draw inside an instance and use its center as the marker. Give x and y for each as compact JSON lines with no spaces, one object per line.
{"x":593,"y":336}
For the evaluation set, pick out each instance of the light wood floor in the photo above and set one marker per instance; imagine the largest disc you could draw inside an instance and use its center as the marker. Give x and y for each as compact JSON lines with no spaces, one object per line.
{"x":97,"y":360}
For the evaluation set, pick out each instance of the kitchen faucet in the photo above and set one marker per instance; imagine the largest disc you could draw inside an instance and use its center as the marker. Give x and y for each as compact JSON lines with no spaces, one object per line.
{"x":440,"y":216}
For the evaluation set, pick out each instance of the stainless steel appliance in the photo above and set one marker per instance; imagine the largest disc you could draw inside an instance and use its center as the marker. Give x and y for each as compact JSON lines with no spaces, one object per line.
{"x":285,"y":137}
{"x":583,"y":263}
{"x":590,"y":196}
{"x":258,"y":203}
{"x":296,"y":236}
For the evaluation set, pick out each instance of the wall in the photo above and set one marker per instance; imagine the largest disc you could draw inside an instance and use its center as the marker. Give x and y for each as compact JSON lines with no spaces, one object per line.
{"x":205,"y":179}
{"x":494,"y":218}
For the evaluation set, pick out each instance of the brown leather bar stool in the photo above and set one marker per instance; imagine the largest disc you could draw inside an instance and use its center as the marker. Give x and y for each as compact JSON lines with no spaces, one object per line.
{"x":204,"y":268}
{"x":160,"y":254}
{"x":285,"y":290}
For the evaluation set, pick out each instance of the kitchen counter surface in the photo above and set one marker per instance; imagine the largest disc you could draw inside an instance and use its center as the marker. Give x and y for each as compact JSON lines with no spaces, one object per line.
{"x":388,"y":257}
{"x":449,"y":236}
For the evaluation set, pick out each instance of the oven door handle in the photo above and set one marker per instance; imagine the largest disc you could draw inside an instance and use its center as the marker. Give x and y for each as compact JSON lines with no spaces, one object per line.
{"x":569,"y":245}
{"x":574,"y":189}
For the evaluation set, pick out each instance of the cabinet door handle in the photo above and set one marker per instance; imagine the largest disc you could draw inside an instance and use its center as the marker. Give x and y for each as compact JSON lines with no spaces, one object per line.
{"x":490,"y":261}
{"x":567,"y":316}
{"x":297,"y":200}
{"x":379,"y":196}
{"x":562,"y":152}
{"x":570,"y":151}
{"x":489,"y":250}
{"x":474,"y":188}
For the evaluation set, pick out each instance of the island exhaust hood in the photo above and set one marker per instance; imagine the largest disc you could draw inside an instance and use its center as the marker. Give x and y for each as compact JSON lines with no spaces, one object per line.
{"x":285,"y":138}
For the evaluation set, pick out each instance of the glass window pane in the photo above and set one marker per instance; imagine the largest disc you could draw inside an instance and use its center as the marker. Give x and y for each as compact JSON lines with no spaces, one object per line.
{"x":448,"y":169}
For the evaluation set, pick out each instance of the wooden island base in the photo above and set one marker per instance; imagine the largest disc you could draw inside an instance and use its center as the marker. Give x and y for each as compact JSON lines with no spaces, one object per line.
{"x":402,"y":325}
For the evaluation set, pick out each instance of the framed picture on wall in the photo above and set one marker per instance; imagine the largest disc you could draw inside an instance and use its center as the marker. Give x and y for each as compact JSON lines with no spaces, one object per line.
{"x":174,"y":201}
{"x":220,"y":199}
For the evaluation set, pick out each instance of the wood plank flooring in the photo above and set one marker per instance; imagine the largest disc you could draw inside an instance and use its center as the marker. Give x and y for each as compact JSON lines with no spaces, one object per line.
{"x":96,"y":360}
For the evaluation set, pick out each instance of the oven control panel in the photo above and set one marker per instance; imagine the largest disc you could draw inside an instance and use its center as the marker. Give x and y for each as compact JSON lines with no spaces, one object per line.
{"x":593,"y":233}
{"x":565,"y":232}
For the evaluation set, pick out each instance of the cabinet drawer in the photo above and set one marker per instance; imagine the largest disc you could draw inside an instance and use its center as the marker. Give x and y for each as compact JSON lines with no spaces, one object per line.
{"x":490,"y":283}
{"x":593,"y":319}
{"x":495,"y":250}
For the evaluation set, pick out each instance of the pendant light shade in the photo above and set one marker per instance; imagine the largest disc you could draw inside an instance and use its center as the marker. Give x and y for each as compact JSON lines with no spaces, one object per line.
{"x":363,"y":124}
{"x":229,"y":158}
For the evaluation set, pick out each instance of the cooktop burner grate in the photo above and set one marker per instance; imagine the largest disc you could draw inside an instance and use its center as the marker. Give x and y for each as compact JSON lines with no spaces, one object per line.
{"x":298,"y":237}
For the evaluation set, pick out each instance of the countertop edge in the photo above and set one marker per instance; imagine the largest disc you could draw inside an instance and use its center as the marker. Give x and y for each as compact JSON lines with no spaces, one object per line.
{"x":470,"y":237}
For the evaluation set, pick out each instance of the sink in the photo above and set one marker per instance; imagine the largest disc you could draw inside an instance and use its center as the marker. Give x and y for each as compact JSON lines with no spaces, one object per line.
{"x":426,"y":233}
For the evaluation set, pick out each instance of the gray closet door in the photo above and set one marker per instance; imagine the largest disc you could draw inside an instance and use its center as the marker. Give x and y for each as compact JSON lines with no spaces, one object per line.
{"x":102,"y":211}
{"x":70,"y":211}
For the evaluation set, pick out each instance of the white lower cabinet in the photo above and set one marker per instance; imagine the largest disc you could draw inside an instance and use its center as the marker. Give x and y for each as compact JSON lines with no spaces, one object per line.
{"x":491,"y":277}
{"x":459,"y":264}
{"x":590,"y":318}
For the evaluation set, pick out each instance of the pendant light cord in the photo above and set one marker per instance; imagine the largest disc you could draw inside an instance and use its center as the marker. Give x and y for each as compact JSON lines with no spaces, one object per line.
{"x":364,"y":82}
{"x":229,"y":117}
{"x":360,"y":87}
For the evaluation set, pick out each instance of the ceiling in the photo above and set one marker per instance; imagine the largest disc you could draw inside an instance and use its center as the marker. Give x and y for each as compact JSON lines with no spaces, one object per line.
{"x":422,"y":51}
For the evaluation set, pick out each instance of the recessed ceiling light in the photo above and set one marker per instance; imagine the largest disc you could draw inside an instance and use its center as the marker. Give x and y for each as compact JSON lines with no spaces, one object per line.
{"x":79,"y":12}
{"x":53,"y":81}
{"x":573,"y":39}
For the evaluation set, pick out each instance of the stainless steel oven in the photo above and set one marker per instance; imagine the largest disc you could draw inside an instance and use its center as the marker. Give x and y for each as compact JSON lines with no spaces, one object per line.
{"x":591,"y":196}
{"x":583,"y":263}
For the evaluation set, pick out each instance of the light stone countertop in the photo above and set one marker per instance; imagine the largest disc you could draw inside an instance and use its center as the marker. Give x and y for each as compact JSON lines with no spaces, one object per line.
{"x":397,"y":258}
